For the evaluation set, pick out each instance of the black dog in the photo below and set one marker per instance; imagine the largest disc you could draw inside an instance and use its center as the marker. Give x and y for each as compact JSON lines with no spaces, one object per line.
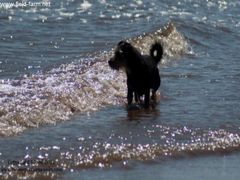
{"x":142,"y":71}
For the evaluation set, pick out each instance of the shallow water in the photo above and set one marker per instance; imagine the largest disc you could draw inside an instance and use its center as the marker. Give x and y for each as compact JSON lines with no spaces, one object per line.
{"x":64,"y":110}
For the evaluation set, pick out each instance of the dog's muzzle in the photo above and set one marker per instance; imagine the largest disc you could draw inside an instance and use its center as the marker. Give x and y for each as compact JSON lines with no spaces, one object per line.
{"x":113,"y":64}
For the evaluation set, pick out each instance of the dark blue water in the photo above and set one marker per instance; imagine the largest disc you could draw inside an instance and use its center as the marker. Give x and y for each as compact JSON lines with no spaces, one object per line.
{"x":64,"y":110}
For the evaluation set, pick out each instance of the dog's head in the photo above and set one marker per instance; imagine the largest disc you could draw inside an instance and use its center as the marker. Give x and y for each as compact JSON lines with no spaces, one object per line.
{"x":119,"y":60}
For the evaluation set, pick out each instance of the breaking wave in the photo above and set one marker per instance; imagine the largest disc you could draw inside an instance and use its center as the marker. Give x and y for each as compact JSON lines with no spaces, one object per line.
{"x":82,"y":86}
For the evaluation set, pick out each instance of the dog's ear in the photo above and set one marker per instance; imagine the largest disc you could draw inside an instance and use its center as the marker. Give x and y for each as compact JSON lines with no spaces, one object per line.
{"x":124,"y":46}
{"x":121,"y":43}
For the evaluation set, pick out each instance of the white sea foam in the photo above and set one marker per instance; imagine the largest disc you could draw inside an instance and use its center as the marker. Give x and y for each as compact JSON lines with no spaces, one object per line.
{"x":66,"y":14}
{"x":117,"y":16}
{"x":85,"y":5}
{"x":102,"y":1}
{"x":6,"y":88}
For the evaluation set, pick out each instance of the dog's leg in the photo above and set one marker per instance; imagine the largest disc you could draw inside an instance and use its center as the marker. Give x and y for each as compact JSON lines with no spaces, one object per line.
{"x":147,"y":98}
{"x":137,"y":97}
{"x":153,"y":97}
{"x":130,"y":96}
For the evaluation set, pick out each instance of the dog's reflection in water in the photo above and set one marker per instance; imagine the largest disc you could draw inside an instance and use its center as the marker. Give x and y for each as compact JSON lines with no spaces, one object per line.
{"x":137,"y":113}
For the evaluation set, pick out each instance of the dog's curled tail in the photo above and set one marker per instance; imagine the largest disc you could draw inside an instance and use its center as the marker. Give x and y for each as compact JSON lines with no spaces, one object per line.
{"x":156,"y":52}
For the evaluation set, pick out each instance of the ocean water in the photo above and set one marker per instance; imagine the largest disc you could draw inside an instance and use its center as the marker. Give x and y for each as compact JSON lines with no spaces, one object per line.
{"x":63,"y":111}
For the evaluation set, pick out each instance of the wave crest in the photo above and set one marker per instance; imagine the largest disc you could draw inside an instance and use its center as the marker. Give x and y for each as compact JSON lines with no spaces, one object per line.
{"x":84,"y":86}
